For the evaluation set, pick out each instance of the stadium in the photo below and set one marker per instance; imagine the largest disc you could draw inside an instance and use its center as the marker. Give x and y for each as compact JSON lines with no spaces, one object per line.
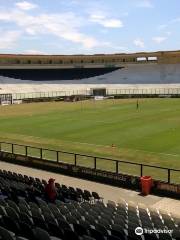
{"x":89,"y":143}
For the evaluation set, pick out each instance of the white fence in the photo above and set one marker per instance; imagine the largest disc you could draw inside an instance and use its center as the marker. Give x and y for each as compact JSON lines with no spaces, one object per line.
{"x":145,"y":91}
{"x":135,"y":91}
{"x":32,"y":95}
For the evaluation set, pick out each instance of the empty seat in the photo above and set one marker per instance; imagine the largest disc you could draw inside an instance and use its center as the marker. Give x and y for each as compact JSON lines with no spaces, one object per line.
{"x":11,"y":224}
{"x":26,"y":230}
{"x":12,"y":213}
{"x":69,"y":234}
{"x":80,"y":229}
{"x":5,"y":234}
{"x":85,"y":237}
{"x":96,"y":234}
{"x":118,"y":232}
{"x":41,"y":234}
{"x":96,"y":196}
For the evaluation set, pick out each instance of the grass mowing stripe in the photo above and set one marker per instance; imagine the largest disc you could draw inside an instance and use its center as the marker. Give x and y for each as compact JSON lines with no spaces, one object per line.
{"x":150,"y":135}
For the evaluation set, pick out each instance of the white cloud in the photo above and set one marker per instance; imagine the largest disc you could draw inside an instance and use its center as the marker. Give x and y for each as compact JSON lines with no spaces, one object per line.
{"x":106,"y":22}
{"x":63,"y":25}
{"x":25,"y":5}
{"x":9,"y":39}
{"x":139,"y":43}
{"x":144,"y":4}
{"x":159,"y":39}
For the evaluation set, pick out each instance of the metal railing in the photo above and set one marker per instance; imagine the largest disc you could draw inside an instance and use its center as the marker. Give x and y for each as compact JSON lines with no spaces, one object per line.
{"x":168,"y":175}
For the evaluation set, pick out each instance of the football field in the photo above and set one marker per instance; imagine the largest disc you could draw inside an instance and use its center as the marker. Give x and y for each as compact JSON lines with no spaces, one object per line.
{"x":149,"y":135}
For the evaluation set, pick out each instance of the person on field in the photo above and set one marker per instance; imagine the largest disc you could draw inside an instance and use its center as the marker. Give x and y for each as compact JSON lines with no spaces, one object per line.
{"x":50,"y":191}
{"x":137,"y":104}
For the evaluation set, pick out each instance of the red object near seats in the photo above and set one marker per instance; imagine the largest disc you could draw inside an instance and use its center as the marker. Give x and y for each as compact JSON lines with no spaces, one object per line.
{"x":146,"y":184}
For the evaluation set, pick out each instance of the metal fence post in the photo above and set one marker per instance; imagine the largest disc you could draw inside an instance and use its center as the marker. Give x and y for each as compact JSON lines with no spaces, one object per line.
{"x":117,"y":167}
{"x":57,"y":154}
{"x":26,"y":149}
{"x":95,"y":163}
{"x":41,"y":153}
{"x":75,"y":159}
{"x":169,"y":176}
{"x":12,"y":148}
{"x":141,"y":170}
{"x":0,"y":146}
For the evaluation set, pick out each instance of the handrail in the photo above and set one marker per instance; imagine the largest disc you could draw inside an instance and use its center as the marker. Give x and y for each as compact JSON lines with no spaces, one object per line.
{"x":95,"y":158}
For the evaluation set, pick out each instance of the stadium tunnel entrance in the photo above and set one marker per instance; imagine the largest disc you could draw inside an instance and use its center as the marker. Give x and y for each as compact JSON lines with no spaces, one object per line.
{"x":101,"y":92}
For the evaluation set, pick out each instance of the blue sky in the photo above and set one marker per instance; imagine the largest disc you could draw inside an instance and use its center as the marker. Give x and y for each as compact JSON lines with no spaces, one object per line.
{"x":89,"y":26}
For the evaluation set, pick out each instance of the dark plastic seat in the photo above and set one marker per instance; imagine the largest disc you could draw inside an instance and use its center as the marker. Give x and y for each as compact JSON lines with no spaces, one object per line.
{"x":49,"y":218}
{"x":102,"y":229}
{"x":26,"y":218}
{"x":80,"y":229}
{"x":5,"y":234}
{"x":76,"y":214}
{"x":11,"y":224}
{"x":24,"y":209}
{"x":41,"y":234}
{"x":3,"y":203}
{"x":12,"y":213}
{"x":71,"y":219}
{"x":118,"y":232}
{"x":96,"y":234}
{"x":55,"y":230}
{"x":40,"y":223}
{"x":111,"y":237}
{"x":27,"y":231}
{"x":96,"y":196}
{"x":13,"y":205}
{"x":165,"y":236}
{"x":148,"y":236}
{"x":69,"y":234}
{"x":2,"y":211}
{"x":63,"y":224}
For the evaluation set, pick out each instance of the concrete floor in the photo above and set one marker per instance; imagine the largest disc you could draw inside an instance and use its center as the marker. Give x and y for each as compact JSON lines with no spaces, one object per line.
{"x":115,"y":194}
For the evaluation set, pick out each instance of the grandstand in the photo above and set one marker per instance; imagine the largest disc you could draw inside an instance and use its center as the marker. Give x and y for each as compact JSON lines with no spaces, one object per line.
{"x":119,"y":74}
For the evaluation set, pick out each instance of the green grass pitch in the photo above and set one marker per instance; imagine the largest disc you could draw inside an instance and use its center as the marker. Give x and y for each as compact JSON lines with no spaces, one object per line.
{"x":149,"y":135}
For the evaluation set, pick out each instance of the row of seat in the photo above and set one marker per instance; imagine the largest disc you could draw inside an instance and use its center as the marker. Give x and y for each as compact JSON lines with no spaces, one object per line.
{"x":105,"y":220}
{"x":78,"y":220}
{"x":18,"y":185}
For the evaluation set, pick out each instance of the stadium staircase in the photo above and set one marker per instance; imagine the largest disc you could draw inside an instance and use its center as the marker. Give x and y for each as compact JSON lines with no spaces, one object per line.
{"x":76,"y":215}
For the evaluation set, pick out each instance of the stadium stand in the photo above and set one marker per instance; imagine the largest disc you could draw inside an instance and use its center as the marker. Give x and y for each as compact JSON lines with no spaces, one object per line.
{"x":76,"y":214}
{"x":140,"y":76}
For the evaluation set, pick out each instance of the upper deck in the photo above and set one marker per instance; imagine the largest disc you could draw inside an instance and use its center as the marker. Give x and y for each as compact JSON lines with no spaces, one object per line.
{"x":86,"y":61}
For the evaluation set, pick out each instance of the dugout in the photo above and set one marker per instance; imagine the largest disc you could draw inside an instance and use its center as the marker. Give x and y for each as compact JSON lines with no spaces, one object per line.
{"x":99,"y":92}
